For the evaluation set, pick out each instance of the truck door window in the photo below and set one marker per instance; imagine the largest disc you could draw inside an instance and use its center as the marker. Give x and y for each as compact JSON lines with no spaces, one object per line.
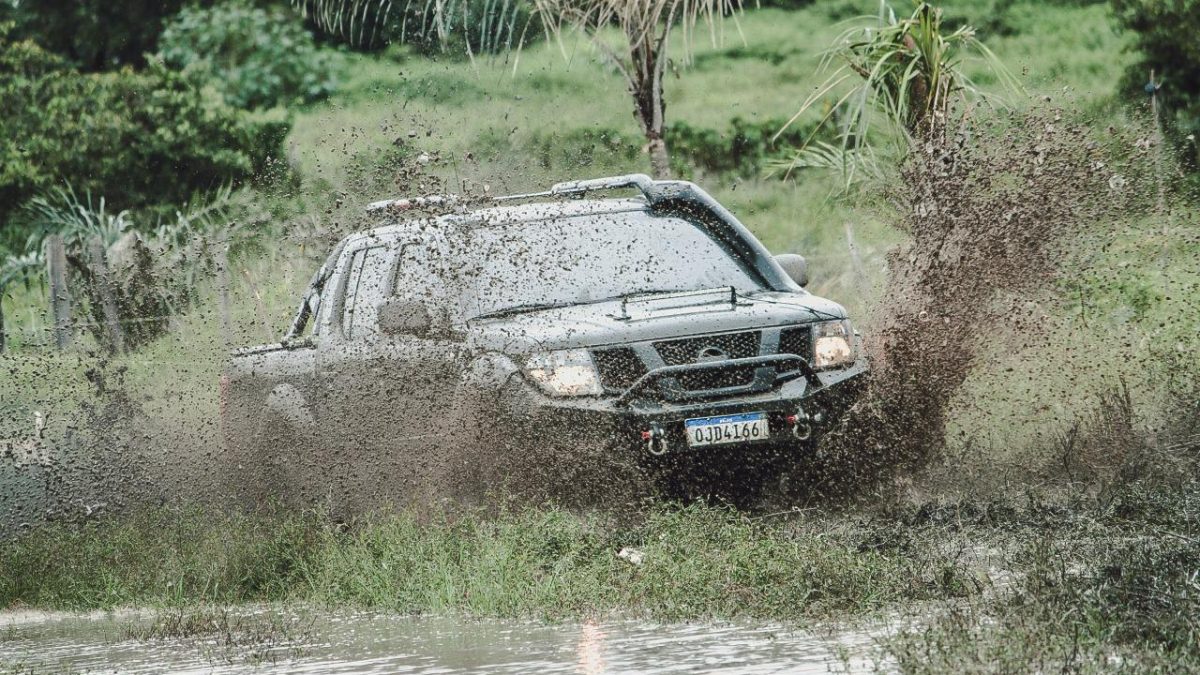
{"x":369,"y":272}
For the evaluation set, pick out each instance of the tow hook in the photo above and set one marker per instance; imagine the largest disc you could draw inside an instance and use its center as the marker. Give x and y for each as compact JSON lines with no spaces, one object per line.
{"x":802,"y":424}
{"x":656,"y":441}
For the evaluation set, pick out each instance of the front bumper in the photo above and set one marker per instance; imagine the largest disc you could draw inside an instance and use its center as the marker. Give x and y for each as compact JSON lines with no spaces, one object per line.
{"x":797,"y":407}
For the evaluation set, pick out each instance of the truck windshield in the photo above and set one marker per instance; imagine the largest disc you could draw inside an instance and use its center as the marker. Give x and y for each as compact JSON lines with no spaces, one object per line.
{"x":567,"y":261}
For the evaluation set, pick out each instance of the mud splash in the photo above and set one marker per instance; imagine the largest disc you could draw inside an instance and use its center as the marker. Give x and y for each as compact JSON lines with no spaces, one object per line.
{"x":993,"y":216}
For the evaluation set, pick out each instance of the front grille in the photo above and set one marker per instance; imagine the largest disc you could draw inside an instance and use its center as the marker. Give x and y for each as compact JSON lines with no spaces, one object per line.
{"x":619,"y":367}
{"x":704,"y":380}
{"x":796,"y":341}
{"x":688,"y":350}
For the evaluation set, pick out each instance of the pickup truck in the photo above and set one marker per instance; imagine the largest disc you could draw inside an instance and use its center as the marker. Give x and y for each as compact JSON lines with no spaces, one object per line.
{"x":563,"y":344}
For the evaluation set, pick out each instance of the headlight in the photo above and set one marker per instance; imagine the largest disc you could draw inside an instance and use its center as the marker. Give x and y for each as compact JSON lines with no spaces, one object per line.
{"x":569,"y":372}
{"x":833,"y":344}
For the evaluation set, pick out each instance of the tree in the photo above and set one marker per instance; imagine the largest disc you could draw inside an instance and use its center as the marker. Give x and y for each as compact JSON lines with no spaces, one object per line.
{"x":646,"y":26}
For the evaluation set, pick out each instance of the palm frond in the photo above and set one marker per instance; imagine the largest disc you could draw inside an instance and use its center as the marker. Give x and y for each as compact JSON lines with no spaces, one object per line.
{"x":25,"y":268}
{"x":493,"y":24}
{"x":855,"y":165}
{"x":909,"y":71}
{"x":640,"y":21}
{"x":62,"y":212}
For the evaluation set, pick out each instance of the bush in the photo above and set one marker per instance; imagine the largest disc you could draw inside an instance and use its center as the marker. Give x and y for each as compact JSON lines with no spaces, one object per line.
{"x":1165,"y":37}
{"x":138,"y":138}
{"x":742,"y":148}
{"x":258,"y":58}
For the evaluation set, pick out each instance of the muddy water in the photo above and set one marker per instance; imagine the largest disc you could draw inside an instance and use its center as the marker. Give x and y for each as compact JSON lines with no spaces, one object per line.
{"x":320,"y":643}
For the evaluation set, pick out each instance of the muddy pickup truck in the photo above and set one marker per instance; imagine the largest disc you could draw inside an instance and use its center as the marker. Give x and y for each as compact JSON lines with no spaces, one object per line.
{"x":545,"y":342}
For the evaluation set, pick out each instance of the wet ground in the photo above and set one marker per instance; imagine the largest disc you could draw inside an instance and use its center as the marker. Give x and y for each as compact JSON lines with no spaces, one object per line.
{"x":302,"y":642}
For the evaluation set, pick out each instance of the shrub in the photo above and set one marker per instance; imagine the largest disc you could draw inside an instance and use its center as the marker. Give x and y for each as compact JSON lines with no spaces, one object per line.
{"x":257,"y":57}
{"x":138,"y":138}
{"x":742,"y":148}
{"x":1165,"y":37}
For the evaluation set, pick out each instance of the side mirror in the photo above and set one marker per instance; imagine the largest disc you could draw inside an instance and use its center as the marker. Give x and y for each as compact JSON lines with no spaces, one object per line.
{"x":398,"y":316}
{"x":795,"y":266}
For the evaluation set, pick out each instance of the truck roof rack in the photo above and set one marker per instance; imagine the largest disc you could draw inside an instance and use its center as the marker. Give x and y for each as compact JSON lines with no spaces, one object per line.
{"x":577,"y":188}
{"x":651,"y":189}
{"x":410,"y":203}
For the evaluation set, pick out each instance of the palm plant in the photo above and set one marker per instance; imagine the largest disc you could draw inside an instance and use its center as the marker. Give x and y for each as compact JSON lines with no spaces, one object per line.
{"x":62,"y":212}
{"x":909,"y":71}
{"x":646,"y":26}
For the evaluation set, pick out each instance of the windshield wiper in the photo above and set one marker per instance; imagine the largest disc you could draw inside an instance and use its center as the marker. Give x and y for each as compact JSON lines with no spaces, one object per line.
{"x":522,"y":309}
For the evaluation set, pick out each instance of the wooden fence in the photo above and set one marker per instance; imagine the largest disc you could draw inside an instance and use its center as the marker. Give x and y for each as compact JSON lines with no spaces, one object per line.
{"x":101,"y":290}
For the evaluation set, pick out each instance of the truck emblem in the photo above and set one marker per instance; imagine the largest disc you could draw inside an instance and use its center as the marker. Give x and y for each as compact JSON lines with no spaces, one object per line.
{"x":710,"y":353}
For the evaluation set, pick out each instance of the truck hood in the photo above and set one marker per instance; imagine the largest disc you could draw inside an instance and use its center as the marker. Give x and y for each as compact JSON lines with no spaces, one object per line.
{"x":606,"y":323}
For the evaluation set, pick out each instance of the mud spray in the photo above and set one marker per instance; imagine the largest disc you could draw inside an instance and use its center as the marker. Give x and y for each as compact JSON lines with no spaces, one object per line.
{"x":1003,"y":218}
{"x":1000,"y":218}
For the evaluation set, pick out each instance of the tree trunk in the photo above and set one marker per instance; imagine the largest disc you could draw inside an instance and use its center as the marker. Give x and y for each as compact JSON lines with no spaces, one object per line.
{"x":3,"y":335}
{"x":646,"y":85}
{"x":660,"y":161}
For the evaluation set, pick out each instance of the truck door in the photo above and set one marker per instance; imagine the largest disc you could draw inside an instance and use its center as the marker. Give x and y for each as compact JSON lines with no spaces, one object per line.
{"x":348,"y":373}
{"x":383,"y":393}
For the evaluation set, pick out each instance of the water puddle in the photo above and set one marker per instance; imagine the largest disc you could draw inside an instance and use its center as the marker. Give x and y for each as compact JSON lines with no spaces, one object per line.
{"x":310,"y":641}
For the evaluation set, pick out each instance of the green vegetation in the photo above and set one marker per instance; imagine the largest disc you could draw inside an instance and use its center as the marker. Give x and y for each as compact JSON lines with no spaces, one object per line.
{"x":1095,"y":589}
{"x":1056,"y":577}
{"x":458,"y":28}
{"x":258,"y":58}
{"x":93,"y":34}
{"x":698,"y":562}
{"x":742,"y":149}
{"x":1165,"y":41}
{"x":137,"y":138}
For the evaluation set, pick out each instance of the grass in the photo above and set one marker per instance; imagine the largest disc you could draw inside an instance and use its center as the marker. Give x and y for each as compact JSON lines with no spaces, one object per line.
{"x":257,"y":637}
{"x":1112,"y":589}
{"x":1039,"y":578}
{"x":699,"y":562}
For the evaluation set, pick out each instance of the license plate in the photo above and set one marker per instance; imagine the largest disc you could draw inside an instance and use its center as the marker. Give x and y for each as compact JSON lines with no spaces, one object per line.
{"x":727,"y":429}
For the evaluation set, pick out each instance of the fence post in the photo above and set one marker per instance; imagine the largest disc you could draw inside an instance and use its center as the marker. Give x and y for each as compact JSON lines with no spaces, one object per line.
{"x":104,"y":289}
{"x":60,"y":295}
